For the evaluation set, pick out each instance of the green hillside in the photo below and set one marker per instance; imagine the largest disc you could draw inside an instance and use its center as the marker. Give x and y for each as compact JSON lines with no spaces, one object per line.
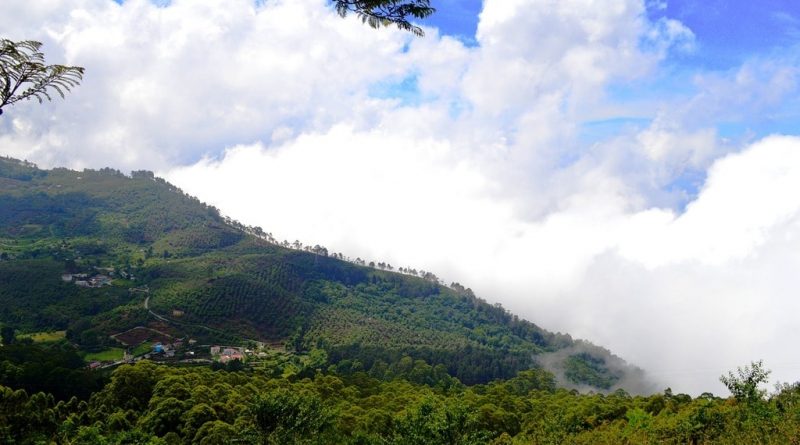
{"x":138,"y":238}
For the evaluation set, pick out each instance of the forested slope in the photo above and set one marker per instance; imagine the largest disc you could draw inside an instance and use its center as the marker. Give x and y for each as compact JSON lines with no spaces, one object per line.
{"x":216,"y":280}
{"x":409,"y":404}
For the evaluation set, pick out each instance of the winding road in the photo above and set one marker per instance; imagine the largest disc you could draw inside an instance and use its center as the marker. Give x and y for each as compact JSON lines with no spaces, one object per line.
{"x":180,"y":323}
{"x":147,"y":306}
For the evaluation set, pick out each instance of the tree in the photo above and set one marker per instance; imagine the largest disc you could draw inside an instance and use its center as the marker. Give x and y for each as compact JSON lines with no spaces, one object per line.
{"x":24,"y":75}
{"x":7,"y":335}
{"x":131,"y":386}
{"x":377,"y":13}
{"x":744,"y":386}
{"x":428,"y":423}
{"x":288,"y":417}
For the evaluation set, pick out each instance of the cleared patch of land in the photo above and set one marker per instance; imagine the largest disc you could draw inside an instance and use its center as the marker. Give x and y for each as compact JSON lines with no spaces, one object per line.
{"x":109,"y":355}
{"x":143,"y":348}
{"x":45,"y":337}
{"x":139,"y":335}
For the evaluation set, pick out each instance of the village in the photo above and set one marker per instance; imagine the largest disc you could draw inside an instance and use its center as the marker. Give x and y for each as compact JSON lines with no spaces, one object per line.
{"x":98,"y":277}
{"x":147,"y":343}
{"x":143,"y":343}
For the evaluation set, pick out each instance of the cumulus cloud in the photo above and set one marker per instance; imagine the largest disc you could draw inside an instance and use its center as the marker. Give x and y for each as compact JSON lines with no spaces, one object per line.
{"x":707,"y":288}
{"x":686,"y":295}
{"x":165,"y":85}
{"x":734,"y":214}
{"x":467,"y":161}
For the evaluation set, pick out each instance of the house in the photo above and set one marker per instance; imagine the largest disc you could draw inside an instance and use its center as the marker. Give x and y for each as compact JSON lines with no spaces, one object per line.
{"x":100,"y":280}
{"x":95,"y":281}
{"x":225,"y":358}
{"x":215,"y":350}
{"x":229,"y":354}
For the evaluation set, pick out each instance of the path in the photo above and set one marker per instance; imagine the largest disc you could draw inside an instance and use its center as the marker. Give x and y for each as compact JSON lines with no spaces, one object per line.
{"x":147,"y":306}
{"x":195,"y":325}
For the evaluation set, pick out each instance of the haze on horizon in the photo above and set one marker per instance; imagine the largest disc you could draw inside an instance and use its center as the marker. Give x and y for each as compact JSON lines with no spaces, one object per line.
{"x":625,"y":171}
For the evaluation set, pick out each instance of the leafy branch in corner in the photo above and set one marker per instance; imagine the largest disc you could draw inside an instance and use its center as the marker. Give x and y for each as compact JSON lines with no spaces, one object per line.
{"x":377,"y":13}
{"x":24,"y":75}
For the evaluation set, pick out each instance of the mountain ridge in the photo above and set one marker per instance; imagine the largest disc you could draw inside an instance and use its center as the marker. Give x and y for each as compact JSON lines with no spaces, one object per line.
{"x":203,"y":269}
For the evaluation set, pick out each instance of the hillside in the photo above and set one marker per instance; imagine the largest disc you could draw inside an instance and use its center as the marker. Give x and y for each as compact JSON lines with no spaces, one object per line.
{"x":84,"y":252}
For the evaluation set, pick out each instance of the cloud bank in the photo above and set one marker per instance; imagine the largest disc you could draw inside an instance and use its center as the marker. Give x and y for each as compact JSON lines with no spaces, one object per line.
{"x":562,"y":165}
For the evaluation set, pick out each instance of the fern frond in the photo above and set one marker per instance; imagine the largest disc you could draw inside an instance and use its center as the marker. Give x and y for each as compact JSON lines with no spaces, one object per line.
{"x":24,"y":75}
{"x":379,"y":13}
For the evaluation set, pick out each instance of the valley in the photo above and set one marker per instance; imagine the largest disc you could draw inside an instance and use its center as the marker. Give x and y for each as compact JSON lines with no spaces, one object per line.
{"x":135,"y":314}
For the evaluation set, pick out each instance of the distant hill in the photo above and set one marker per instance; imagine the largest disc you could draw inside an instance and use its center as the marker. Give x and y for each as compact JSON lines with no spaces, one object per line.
{"x":83,"y":251}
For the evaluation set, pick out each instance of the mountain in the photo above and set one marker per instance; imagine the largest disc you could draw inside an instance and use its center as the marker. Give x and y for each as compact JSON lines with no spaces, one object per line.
{"x":100,"y":254}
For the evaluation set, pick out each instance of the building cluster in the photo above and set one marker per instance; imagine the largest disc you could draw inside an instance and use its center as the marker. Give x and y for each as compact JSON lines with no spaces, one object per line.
{"x":166,"y":349}
{"x":226,"y":354}
{"x":85,"y":280}
{"x":159,"y":351}
{"x":101,"y":277}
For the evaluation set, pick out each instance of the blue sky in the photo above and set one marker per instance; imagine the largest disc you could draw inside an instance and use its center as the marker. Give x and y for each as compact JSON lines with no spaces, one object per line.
{"x":727,"y":34}
{"x":456,"y":18}
{"x":727,"y":30}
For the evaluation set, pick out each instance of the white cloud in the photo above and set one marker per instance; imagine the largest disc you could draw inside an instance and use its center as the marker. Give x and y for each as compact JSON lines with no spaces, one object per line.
{"x":687,"y":296}
{"x":735,"y":212}
{"x":691,"y":295}
{"x":673,"y":146}
{"x":670,"y":33}
{"x":166,"y":84}
{"x":353,"y":189}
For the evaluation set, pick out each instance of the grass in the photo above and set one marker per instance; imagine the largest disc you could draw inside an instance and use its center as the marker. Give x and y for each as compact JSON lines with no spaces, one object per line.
{"x":143,"y":348}
{"x":123,"y":283}
{"x":45,"y":337}
{"x":109,"y":355}
{"x":20,"y":245}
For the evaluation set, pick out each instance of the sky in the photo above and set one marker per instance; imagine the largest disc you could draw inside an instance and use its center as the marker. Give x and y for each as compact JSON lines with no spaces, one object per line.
{"x":625,"y":171}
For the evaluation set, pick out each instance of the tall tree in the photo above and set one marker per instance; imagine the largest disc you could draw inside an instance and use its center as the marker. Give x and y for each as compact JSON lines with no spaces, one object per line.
{"x":7,"y":335}
{"x":745,"y":384}
{"x":287,"y":417}
{"x":24,"y":75}
{"x":377,"y":13}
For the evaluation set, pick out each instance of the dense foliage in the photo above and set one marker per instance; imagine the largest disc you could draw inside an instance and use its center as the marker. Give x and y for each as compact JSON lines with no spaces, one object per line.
{"x":215,"y":280}
{"x":94,"y":263}
{"x":56,"y":369}
{"x":151,"y":404}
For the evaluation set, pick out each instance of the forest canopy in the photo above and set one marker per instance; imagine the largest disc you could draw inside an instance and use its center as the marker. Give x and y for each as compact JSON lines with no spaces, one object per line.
{"x":150,"y":404}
